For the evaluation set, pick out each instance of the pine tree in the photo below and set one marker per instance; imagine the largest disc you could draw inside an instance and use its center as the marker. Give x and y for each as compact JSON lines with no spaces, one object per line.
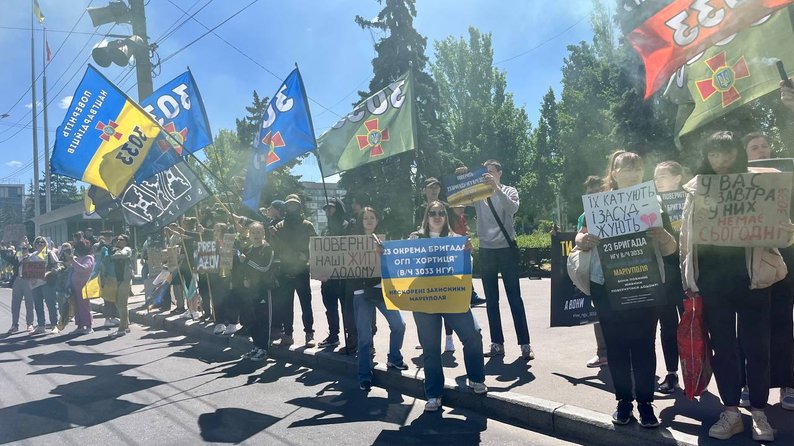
{"x":543,"y":175}
{"x":401,"y":50}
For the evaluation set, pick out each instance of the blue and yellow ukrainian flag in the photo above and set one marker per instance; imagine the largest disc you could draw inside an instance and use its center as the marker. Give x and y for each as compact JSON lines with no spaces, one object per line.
{"x":104,"y":136}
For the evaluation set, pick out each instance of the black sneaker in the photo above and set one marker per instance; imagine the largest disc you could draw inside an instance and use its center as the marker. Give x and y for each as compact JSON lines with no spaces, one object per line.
{"x":397,"y":365}
{"x":177,"y":310}
{"x":622,"y":415}
{"x":477,"y":301}
{"x":669,"y":384}
{"x":365,"y":386}
{"x":330,"y":341}
{"x":647,"y":417}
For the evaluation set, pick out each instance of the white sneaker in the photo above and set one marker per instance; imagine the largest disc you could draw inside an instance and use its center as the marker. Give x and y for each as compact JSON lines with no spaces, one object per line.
{"x":729,"y":424}
{"x":219,"y":329}
{"x":432,"y":404}
{"x":478,"y":388}
{"x":114,"y":321}
{"x":231,"y":329}
{"x":55,"y":330}
{"x":186,"y":315}
{"x":108,"y":322}
{"x":744,"y":398}
{"x":596,"y":362}
{"x":449,"y":346}
{"x":39,"y":330}
{"x":762,"y":431}
{"x":787,"y":398}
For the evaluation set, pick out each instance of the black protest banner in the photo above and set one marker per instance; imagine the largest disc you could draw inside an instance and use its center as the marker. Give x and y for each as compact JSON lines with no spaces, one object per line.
{"x":742,"y":209}
{"x":673,"y":204}
{"x":343,"y":257}
{"x":161,"y":199}
{"x":632,"y":275}
{"x":569,"y":306}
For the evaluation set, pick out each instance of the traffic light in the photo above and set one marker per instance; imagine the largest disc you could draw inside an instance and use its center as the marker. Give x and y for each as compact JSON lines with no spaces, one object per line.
{"x":117,"y":12}
{"x":118,"y":52}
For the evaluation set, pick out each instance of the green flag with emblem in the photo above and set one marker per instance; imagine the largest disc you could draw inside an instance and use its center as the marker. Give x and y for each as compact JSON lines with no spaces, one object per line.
{"x":377,"y":128}
{"x":730,"y":75}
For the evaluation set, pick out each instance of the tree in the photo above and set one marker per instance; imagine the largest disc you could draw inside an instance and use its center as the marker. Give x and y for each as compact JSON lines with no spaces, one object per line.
{"x":229,"y":155}
{"x":63,"y":192}
{"x":543,"y":175}
{"x":401,"y":50}
{"x":479,"y":113}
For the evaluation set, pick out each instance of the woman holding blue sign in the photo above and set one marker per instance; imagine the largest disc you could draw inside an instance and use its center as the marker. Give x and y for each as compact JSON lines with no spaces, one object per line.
{"x":630,"y":334}
{"x":368,"y":296}
{"x":436,"y":224}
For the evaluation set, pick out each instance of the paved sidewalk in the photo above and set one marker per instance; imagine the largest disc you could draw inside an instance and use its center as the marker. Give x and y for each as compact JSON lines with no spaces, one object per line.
{"x":554,"y":393}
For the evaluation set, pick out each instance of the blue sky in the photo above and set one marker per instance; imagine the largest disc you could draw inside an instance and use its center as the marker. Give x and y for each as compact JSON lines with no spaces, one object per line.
{"x":334,"y":54}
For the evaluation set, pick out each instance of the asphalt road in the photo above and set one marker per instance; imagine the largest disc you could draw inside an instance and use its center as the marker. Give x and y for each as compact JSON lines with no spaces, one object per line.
{"x":154,"y":387}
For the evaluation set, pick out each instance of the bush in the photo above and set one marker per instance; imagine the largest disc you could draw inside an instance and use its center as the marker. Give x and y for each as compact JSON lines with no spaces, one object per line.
{"x":540,"y":241}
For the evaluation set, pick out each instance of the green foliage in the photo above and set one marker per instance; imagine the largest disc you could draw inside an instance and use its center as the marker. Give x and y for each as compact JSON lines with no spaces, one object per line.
{"x":538,"y":239}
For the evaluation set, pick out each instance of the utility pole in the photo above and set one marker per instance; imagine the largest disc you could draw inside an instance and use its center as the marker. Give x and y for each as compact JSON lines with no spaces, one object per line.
{"x":36,"y":210}
{"x":47,"y":185}
{"x":143,"y":66}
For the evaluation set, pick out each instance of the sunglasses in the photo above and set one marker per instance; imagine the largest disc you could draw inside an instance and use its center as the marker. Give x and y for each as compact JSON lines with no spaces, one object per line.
{"x":41,"y":243}
{"x":436,"y":214}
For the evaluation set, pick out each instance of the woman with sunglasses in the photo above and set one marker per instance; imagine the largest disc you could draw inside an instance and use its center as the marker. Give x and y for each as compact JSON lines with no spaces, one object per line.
{"x":44,"y":288}
{"x":436,"y":224}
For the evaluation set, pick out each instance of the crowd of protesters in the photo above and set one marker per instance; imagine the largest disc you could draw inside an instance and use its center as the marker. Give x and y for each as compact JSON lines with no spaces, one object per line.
{"x":748,"y":294}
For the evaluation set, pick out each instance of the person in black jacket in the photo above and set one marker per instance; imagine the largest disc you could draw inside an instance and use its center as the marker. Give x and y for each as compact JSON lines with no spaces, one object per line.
{"x":259,"y":280}
{"x":333,"y":290}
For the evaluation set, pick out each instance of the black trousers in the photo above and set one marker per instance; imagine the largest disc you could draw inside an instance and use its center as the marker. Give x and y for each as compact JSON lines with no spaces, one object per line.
{"x":781,"y":341}
{"x":349,"y":317}
{"x":726,"y":299}
{"x":288,"y":287}
{"x":333,"y":294}
{"x":220,"y":293}
{"x":257,"y":316}
{"x":669,"y":316}
{"x":630,"y":336}
{"x":235,"y":305}
{"x":204,"y":291}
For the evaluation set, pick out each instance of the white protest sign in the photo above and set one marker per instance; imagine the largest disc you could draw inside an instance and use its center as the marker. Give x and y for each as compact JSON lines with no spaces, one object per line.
{"x":344,"y":257}
{"x":622,"y":211}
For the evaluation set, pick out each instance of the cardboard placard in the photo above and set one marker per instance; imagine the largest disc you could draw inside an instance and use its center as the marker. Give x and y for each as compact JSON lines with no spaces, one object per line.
{"x":467,"y":188}
{"x":673,"y":204}
{"x":569,"y":306}
{"x":622,"y":211}
{"x":742,"y":210}
{"x":207,"y":257}
{"x":173,"y":258}
{"x":33,"y":269}
{"x":227,"y":251}
{"x":154,"y":260}
{"x":428,"y":275}
{"x":631,"y":272}
{"x":344,"y":257}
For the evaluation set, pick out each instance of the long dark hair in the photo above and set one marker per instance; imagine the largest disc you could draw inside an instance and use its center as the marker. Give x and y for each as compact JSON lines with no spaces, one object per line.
{"x":722,"y":141}
{"x":360,"y":220}
{"x":446,"y":230}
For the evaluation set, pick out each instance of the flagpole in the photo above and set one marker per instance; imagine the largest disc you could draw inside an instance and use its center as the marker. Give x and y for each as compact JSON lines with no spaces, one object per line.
{"x":47,"y":186}
{"x":311,"y":125}
{"x":36,"y":204}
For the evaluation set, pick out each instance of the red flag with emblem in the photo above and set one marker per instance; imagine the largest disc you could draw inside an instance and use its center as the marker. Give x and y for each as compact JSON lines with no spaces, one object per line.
{"x":685,"y":28}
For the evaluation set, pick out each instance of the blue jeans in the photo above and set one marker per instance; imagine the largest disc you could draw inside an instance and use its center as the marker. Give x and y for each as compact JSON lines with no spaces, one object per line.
{"x":365,"y":316}
{"x":492,"y":262}
{"x":40,"y":295}
{"x":428,"y":327}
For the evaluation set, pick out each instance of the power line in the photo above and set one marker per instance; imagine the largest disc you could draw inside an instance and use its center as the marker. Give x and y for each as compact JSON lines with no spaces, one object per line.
{"x":58,"y":50}
{"x":541,"y":43}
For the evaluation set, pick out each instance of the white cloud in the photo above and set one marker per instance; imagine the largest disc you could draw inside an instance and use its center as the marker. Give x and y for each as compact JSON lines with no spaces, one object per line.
{"x":30,"y":105}
{"x":14,"y":163}
{"x":65,"y":101}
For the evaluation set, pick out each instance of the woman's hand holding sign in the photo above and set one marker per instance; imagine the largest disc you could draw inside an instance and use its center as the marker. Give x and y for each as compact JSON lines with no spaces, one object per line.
{"x":586,"y":241}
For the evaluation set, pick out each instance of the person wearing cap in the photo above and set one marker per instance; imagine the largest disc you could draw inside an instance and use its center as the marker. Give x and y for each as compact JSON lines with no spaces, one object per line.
{"x":430,"y":193}
{"x":333,"y":290}
{"x":291,"y":243}
{"x":274,"y":213}
{"x":121,"y":257}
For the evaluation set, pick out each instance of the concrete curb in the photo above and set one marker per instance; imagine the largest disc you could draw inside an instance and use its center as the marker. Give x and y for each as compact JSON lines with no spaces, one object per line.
{"x":558,"y":419}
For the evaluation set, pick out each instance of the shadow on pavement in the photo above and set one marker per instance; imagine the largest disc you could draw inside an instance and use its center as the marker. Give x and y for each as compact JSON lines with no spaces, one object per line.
{"x":233,"y":425}
{"x":433,"y":428}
